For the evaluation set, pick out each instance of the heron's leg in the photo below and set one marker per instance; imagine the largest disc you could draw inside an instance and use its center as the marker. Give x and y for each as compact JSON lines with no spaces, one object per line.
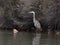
{"x":37,"y":31}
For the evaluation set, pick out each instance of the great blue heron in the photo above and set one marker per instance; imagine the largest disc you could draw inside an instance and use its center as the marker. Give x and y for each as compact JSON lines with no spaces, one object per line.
{"x":36,"y":22}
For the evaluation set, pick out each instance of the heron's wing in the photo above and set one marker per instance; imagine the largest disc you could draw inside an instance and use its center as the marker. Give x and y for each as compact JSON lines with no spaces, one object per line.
{"x":37,"y":24}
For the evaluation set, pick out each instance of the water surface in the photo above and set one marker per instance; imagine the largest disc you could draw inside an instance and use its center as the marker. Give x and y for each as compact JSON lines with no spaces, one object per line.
{"x":28,"y":38}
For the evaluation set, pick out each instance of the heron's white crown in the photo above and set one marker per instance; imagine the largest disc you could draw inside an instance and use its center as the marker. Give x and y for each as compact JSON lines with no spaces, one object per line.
{"x":32,"y":12}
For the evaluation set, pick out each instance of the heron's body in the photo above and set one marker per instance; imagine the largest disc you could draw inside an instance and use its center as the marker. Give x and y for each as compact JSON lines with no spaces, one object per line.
{"x":36,"y":22}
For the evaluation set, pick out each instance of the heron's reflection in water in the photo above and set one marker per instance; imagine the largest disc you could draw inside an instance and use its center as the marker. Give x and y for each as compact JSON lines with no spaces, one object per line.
{"x":28,"y":38}
{"x":36,"y":39}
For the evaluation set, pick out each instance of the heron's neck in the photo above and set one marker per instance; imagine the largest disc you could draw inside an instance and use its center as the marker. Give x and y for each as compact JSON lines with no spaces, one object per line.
{"x":33,"y":16}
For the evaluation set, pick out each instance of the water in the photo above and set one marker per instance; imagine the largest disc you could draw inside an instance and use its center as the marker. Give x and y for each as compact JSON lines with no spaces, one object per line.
{"x":26,"y":38}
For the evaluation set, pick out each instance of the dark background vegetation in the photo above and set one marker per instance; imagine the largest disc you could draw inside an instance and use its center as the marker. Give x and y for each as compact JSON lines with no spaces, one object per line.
{"x":13,"y":14}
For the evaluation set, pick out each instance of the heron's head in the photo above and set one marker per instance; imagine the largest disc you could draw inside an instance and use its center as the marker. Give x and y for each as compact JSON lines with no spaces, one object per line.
{"x":32,"y":12}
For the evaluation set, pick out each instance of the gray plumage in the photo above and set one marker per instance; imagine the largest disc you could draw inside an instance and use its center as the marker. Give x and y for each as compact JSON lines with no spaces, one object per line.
{"x":36,"y":22}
